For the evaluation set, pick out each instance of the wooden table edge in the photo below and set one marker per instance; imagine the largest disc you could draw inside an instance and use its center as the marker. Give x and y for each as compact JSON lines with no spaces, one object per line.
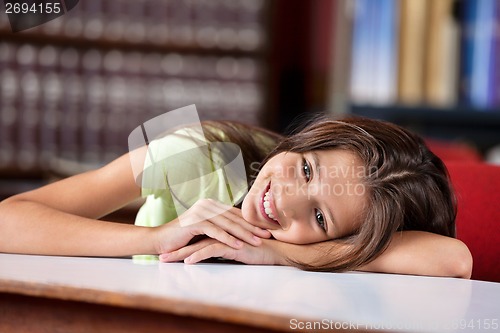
{"x":175,"y":306}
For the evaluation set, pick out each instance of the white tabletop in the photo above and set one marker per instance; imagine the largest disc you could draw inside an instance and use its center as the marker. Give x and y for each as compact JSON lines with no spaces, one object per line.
{"x":349,"y":300}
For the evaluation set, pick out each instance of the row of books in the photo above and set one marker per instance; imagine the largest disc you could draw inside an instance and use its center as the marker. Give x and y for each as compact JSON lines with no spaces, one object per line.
{"x":441,"y":53}
{"x":219,"y":24}
{"x":66,"y":104}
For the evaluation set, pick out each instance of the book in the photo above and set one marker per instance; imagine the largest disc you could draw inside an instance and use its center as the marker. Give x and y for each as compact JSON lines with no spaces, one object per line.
{"x":413,"y":23}
{"x":360,"y":47}
{"x":339,"y":80}
{"x":478,"y":33}
{"x":482,"y":61}
{"x":441,"y":55}
{"x":495,"y":59}
{"x":385,"y":52}
{"x":374,"y":57}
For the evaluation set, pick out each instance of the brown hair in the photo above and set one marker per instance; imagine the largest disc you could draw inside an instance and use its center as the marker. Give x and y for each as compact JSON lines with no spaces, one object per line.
{"x":255,"y":142}
{"x":408,"y":186}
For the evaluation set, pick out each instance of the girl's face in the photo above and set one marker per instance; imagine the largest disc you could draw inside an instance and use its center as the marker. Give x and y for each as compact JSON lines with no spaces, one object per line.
{"x":308,"y":197}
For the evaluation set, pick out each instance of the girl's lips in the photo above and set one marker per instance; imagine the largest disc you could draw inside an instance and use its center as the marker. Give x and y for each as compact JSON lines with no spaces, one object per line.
{"x":262,"y":210}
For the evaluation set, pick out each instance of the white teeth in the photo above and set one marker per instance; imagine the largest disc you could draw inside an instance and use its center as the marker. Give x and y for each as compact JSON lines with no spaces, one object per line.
{"x":267,"y":206}
{"x":269,"y":212}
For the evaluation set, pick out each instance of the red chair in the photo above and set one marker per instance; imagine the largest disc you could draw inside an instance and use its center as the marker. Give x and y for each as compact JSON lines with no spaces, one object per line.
{"x":453,"y":151}
{"x":477,"y":186}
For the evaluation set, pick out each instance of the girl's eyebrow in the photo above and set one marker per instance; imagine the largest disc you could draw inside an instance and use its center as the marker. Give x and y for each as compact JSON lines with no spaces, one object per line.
{"x":317,"y":164}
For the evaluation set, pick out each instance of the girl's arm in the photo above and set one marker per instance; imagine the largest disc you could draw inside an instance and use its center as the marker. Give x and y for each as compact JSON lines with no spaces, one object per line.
{"x":409,"y":252}
{"x":423,"y":253}
{"x":61,"y":219}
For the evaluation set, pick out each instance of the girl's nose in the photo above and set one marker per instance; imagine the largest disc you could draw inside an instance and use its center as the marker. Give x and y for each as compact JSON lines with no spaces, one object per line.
{"x":293,"y":202}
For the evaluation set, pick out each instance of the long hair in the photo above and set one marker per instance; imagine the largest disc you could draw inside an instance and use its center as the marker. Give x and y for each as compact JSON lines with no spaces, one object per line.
{"x":255,"y":142}
{"x":408,"y":187}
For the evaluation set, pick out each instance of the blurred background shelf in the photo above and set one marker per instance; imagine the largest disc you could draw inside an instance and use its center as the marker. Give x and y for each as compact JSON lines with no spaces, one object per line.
{"x":72,"y":89}
{"x":109,"y":44}
{"x":477,"y":127}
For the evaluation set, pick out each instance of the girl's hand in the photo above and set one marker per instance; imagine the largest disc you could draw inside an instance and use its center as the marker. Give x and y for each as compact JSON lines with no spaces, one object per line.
{"x":213,"y":219}
{"x":269,"y":252}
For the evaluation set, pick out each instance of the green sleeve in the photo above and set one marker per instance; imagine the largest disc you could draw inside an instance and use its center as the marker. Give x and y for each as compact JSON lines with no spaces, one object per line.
{"x":178,"y":171}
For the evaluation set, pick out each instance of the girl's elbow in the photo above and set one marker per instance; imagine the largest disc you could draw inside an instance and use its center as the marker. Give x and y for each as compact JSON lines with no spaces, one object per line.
{"x":462,"y":264}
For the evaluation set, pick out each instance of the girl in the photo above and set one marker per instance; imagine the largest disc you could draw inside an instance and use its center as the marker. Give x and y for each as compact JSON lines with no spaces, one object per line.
{"x":335,"y":196}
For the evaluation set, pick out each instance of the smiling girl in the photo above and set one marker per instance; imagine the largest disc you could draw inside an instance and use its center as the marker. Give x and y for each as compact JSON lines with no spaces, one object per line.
{"x":335,"y":196}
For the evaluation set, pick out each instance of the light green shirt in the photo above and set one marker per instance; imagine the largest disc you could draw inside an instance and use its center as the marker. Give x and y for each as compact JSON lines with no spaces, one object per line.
{"x":176,"y":175}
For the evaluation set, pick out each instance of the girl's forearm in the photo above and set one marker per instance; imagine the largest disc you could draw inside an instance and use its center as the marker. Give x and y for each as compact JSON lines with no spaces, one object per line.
{"x":409,"y":252}
{"x":423,"y":253}
{"x":32,"y":228}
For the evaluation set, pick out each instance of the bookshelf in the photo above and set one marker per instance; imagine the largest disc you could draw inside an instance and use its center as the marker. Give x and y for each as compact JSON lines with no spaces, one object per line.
{"x":430,"y":65}
{"x":476,"y":127}
{"x":423,"y":52}
{"x":72,"y":89}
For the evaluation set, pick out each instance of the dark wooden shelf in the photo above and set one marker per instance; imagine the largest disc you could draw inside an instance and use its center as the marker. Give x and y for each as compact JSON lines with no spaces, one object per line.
{"x":10,"y":187}
{"x":480,"y":127}
{"x":38,"y":38}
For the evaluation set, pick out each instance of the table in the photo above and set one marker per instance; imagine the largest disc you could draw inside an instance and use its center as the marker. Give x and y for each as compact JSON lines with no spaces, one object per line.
{"x":71,"y":294}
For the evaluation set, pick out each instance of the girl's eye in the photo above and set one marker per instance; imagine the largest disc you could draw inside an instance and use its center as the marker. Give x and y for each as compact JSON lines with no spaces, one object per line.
{"x":320,"y":219}
{"x":306,"y":169}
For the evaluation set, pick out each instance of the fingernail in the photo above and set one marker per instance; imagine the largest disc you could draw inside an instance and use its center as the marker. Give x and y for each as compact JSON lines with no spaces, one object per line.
{"x":256,"y":239}
{"x":163,"y":256}
{"x":188,"y":260}
{"x":238,"y":243}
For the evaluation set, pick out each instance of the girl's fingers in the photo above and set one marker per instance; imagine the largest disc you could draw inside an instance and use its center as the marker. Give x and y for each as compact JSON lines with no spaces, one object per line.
{"x":210,"y":251}
{"x":186,"y":251}
{"x":215,"y":232}
{"x":210,"y":248}
{"x":220,"y":222}
{"x":235,"y":229}
{"x":259,"y":230}
{"x":229,"y":219}
{"x":258,"y":224}
{"x":235,"y":215}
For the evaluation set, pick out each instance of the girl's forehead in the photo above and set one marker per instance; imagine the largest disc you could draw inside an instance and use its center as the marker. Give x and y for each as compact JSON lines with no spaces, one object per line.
{"x":339,"y":163}
{"x":337,"y":155}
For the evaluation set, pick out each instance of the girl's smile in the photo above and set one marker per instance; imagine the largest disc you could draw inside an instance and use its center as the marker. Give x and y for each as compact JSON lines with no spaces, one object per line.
{"x":268,"y":209}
